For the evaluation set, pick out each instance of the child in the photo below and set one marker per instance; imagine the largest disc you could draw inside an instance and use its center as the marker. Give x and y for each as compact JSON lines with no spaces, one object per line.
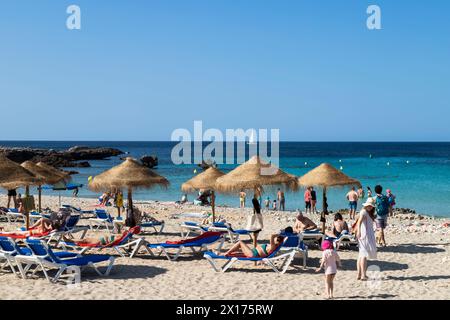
{"x":329,"y":262}
{"x":274,"y":207}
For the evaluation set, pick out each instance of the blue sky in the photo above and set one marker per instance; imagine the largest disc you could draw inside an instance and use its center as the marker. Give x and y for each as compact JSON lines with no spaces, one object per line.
{"x":137,"y":70}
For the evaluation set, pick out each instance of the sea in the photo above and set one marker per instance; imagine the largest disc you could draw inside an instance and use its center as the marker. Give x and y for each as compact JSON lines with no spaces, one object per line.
{"x":418,"y":173}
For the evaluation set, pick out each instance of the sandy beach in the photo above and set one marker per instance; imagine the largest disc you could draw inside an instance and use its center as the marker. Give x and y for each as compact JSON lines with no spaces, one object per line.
{"x":413,"y":266}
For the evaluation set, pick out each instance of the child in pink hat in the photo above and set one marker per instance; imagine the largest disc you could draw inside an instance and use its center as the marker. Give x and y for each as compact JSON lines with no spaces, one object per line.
{"x":329,"y":262}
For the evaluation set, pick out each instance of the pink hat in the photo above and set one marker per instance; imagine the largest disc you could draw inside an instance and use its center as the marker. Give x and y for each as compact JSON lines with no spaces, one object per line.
{"x":388,"y":190}
{"x":327,"y":244}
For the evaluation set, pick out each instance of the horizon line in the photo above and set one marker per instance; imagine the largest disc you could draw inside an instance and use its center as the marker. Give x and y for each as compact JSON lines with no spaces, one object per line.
{"x":282,"y":141}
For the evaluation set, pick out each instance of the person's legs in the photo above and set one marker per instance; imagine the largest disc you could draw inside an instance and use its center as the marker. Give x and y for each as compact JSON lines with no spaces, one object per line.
{"x":363,"y":268}
{"x":234,"y":248}
{"x":331,"y":285}
{"x":9,"y":202}
{"x":358,"y":268}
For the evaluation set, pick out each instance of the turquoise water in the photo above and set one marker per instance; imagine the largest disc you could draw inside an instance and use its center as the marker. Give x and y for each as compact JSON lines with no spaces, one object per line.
{"x":422,"y":184}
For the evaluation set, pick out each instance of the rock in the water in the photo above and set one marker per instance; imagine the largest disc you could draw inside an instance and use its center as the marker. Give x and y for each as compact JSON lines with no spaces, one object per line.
{"x":149,"y":161}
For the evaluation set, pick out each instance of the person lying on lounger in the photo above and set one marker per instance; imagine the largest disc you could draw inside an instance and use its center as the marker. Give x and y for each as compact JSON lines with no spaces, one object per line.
{"x":339,"y":226}
{"x":260,"y":251}
{"x":303,"y":224}
{"x":57,"y":221}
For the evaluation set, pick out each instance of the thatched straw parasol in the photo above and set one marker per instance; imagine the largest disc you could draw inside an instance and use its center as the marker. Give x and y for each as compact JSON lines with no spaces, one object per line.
{"x":12,"y":176}
{"x":64,"y":175}
{"x":205,"y":180}
{"x":253,"y":175}
{"x":129,"y":175}
{"x":46,"y":176}
{"x":325,"y":176}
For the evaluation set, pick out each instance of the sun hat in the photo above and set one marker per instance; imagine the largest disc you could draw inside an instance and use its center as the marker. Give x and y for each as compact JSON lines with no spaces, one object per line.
{"x":388,"y":191}
{"x":370,"y":202}
{"x":326,"y":244}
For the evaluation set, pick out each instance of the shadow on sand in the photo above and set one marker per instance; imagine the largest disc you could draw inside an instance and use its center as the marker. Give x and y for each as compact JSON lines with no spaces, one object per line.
{"x":424,"y":248}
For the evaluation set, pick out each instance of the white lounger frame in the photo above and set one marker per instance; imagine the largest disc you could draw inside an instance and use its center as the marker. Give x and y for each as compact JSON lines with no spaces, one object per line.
{"x":179,"y":250}
{"x":285,"y":258}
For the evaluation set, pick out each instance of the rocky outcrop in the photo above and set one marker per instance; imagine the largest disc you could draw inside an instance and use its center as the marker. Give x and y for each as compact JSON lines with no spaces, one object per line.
{"x":149,"y":161}
{"x":73,"y":157}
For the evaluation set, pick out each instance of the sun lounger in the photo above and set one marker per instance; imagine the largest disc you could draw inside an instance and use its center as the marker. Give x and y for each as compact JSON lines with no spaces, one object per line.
{"x":43,"y":258}
{"x":125,"y":245}
{"x":157,"y":226}
{"x":345,"y":239}
{"x":198,"y":215}
{"x":295,"y":242}
{"x":69,"y":230}
{"x":197,"y":244}
{"x":233,"y":235}
{"x":13,"y":215}
{"x":102,"y":220}
{"x":9,"y":249}
{"x":271,"y":260}
{"x":312,"y":236}
{"x":78,"y":211}
{"x":188,"y":227}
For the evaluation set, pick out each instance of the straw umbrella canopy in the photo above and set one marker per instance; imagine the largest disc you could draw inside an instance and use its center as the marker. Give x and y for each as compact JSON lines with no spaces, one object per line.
{"x":129,"y":175}
{"x":64,"y":175}
{"x":254,"y":175}
{"x":205,"y":180}
{"x":326,"y":176}
{"x":13,"y":175}
{"x":46,"y":176}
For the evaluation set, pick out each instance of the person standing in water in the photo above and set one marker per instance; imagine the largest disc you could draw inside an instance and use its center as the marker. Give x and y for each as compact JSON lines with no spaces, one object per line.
{"x":391,"y":198}
{"x":242,"y":196}
{"x":280,"y":200}
{"x":352,"y":197}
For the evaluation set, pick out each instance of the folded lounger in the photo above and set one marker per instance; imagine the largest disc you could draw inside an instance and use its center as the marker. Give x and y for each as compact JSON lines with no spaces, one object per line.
{"x":197,"y":244}
{"x":9,"y":249}
{"x":122,"y":245}
{"x":271,"y":260}
{"x":295,"y":242}
{"x":43,"y":257}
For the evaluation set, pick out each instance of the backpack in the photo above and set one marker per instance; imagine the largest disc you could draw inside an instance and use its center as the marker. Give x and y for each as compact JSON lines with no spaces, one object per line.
{"x":382,"y":206}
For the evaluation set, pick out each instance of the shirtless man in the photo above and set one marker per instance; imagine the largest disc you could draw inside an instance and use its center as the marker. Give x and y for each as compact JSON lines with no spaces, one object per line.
{"x":352,"y":197}
{"x":303,"y":223}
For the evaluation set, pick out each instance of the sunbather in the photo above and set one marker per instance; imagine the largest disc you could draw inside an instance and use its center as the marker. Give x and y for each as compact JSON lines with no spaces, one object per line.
{"x":303,"y":224}
{"x":339,"y":226}
{"x":259,"y":251}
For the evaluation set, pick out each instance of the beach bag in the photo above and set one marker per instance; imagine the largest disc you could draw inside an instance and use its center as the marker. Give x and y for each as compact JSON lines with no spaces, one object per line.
{"x":382,"y":206}
{"x":255,"y":222}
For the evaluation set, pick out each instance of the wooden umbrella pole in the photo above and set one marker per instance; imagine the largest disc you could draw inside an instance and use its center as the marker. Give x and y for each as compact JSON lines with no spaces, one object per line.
{"x":213,"y":206}
{"x":39,"y":199}
{"x":130,"y":199}
{"x":27,"y":193}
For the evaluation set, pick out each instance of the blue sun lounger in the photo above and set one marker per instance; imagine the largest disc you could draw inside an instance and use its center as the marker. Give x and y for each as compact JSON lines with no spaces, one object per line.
{"x":271,"y":260}
{"x":344,"y":239}
{"x":197,"y":244}
{"x":43,"y":257}
{"x":9,"y":250}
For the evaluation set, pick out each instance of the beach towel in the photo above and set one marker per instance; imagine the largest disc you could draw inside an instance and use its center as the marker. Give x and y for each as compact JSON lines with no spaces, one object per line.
{"x":202,"y":236}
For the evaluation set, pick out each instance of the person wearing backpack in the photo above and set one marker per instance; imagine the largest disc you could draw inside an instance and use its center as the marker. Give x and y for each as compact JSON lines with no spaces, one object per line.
{"x":382,"y":211}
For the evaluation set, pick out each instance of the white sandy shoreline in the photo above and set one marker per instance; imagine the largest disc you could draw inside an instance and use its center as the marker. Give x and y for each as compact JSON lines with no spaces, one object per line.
{"x":415,"y":265}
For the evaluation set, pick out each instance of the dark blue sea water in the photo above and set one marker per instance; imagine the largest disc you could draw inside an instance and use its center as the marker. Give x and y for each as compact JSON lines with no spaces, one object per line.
{"x":417,"y":173}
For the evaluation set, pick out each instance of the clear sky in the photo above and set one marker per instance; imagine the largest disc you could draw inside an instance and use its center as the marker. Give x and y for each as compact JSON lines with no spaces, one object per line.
{"x":139,"y":69}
